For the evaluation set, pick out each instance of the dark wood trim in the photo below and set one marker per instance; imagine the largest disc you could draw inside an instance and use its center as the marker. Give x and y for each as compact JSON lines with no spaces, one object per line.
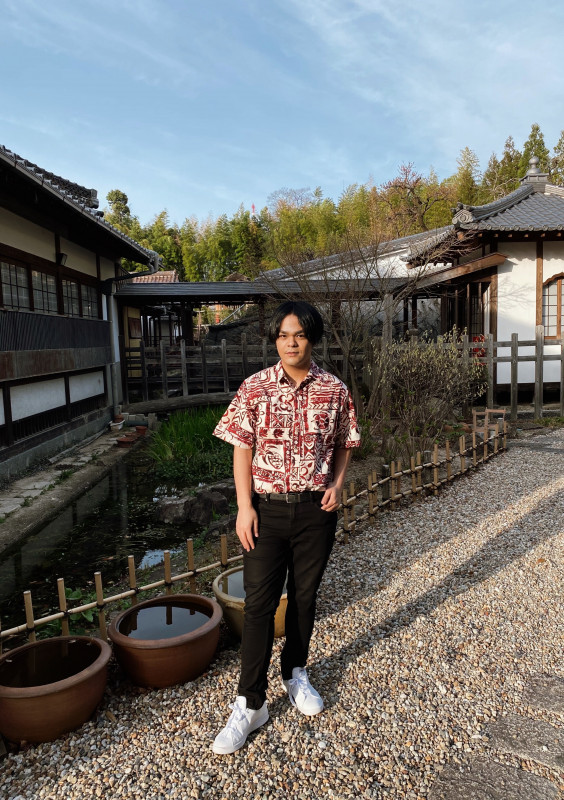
{"x":451,"y":273}
{"x":493,"y":305}
{"x":539,"y":283}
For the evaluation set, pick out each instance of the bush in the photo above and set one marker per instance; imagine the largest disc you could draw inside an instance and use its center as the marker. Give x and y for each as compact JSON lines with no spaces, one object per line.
{"x":186,"y":451}
{"x":418,"y":388}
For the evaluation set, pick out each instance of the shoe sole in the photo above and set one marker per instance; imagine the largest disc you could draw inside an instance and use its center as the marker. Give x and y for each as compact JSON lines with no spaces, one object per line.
{"x":225,"y":751}
{"x":305,"y":713}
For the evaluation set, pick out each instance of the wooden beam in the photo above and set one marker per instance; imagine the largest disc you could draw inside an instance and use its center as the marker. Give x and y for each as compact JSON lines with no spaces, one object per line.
{"x":539,"y":283}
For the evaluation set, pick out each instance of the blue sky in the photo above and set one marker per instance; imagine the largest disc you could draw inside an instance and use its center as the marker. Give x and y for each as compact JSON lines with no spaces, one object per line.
{"x":197,"y":106}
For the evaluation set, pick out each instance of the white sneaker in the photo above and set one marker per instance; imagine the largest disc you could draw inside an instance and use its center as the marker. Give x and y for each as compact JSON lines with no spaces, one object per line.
{"x":302,"y":694}
{"x":242,"y":721}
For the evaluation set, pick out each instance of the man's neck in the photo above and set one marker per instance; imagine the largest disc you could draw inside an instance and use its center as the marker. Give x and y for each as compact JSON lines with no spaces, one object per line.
{"x":296,"y":376}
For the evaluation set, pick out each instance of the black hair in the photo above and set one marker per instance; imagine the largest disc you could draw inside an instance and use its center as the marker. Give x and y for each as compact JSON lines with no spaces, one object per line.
{"x":309,"y":318}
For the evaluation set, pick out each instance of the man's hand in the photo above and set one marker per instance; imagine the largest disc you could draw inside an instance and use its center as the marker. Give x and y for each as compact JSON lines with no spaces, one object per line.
{"x":247,"y":527}
{"x":331,"y":499}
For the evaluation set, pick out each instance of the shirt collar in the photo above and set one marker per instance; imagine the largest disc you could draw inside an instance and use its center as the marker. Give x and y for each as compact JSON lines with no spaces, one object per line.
{"x":313,"y":373}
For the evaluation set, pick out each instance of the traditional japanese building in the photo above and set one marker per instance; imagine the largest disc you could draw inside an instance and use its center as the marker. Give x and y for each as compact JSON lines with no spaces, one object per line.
{"x":59,"y":329}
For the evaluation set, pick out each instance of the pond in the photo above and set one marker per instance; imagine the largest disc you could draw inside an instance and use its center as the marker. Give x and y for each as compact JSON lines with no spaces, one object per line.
{"x":97,"y":532}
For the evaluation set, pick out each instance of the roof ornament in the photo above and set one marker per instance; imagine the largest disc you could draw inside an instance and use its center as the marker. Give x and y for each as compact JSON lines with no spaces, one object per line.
{"x":463,"y":214}
{"x":534,"y":175}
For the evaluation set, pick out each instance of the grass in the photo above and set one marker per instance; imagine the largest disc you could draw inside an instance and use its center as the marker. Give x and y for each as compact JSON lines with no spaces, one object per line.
{"x":550,"y":422}
{"x":185,"y":450}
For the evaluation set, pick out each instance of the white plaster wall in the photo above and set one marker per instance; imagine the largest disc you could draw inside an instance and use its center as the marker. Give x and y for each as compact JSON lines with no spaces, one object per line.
{"x":516,"y":305}
{"x":79,"y":258}
{"x":25,"y":235}
{"x":89,"y":385}
{"x":33,"y":398}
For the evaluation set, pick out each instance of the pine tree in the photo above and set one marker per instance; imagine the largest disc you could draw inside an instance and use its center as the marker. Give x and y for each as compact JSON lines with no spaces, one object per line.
{"x":534,"y":146}
{"x":557,"y":162}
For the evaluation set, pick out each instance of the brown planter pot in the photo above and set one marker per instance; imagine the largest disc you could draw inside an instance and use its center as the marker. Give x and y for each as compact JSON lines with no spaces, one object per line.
{"x":153,"y":656}
{"x":50,"y":687}
{"x":232,"y":600}
{"x":141,"y":430}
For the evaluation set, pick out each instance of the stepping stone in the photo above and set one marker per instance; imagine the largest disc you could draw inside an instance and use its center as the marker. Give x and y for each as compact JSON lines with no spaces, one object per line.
{"x":9,"y":506}
{"x":488,"y":780}
{"x":529,"y":739}
{"x":545,"y":692}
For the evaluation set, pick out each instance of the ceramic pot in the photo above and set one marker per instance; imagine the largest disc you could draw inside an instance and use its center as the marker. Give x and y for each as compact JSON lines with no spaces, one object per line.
{"x":230,"y":594}
{"x":141,"y":430}
{"x":166,"y":640}
{"x":50,"y":687}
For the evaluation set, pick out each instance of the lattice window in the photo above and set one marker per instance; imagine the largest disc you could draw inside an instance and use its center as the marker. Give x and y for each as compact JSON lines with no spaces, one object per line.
{"x":552,"y":307}
{"x":71,"y":305}
{"x":89,"y":301}
{"x":44,"y":292}
{"x":15,"y":286}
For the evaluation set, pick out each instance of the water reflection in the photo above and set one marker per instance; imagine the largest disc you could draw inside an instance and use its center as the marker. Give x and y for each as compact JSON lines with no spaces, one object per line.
{"x":113,"y":519}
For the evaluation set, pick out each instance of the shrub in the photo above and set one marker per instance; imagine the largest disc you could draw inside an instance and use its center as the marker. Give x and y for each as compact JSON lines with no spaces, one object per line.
{"x":185,"y":450}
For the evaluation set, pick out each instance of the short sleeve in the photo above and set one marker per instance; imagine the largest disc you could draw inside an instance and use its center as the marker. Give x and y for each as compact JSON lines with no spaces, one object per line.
{"x":348,"y":433}
{"x":237,"y":425}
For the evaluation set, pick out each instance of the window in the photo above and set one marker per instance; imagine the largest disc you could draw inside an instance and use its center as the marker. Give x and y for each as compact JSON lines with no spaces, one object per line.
{"x":44,"y":292}
{"x":71,"y":304}
{"x":89,"y":301}
{"x":552,"y":306}
{"x":15,"y":286}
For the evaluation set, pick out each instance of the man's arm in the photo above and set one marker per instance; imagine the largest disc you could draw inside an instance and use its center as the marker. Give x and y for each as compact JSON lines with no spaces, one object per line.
{"x":332,"y":496}
{"x":247,"y":520}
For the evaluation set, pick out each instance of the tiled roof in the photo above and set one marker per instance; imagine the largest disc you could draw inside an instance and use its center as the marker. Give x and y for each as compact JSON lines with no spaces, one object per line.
{"x":78,"y":193}
{"x":537,"y":207}
{"x":76,"y":197}
{"x":163,"y":276}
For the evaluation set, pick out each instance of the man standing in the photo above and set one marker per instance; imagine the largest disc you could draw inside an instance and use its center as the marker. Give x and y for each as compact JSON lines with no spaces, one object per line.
{"x":300,"y":421}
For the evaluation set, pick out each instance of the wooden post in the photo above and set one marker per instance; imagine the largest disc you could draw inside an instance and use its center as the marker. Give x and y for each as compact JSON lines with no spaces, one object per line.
{"x":204,"y":366}
{"x":167,"y":572}
{"x":223,"y":550}
{"x":426,"y":469}
{"x":436,"y":469}
{"x":474,"y":453}
{"x":29,"y":620}
{"x":462,"y":452}
{"x":419,"y":470}
{"x":465,"y":363}
{"x":539,"y":353}
{"x":448,"y":461}
{"x":371,"y":493}
{"x":63,"y":606}
{"x":413,"y":476}
{"x":490,"y":363}
{"x":184,"y":368}
{"x":100,"y":604}
{"x":132,"y":578}
{"x":264,"y":353}
{"x":244,"y":355}
{"x":144,"y":376}
{"x":386,"y":483}
{"x":393,"y":484}
{"x":496,"y":438}
{"x":398,"y":481}
{"x":190,"y":564}
{"x":164,"y":376}
{"x":224,"y":365}
{"x":514,"y":375}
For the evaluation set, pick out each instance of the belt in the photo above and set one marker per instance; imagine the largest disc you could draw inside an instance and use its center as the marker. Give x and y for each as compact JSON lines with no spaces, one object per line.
{"x":290,"y":497}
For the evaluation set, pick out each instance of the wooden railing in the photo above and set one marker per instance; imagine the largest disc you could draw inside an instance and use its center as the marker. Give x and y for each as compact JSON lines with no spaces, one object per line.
{"x":426,"y":473}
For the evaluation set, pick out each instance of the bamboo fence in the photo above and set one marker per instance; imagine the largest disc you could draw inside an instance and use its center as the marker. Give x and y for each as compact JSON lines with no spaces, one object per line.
{"x":427,"y":473}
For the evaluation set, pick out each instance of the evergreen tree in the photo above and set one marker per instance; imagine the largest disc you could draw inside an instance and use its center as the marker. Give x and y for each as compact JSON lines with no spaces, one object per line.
{"x":557,"y":162}
{"x":534,"y":146}
{"x":464,"y":182}
{"x":509,"y":168}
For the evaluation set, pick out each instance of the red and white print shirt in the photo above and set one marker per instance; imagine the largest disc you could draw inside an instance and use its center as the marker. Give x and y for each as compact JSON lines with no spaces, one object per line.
{"x":294,"y":429}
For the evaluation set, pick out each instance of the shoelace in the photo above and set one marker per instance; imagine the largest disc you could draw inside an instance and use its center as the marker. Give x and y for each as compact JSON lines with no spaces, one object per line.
{"x":233,"y":727}
{"x":297,"y":684}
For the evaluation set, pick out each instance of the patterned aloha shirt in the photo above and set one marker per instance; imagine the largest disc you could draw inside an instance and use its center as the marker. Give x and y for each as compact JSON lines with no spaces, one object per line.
{"x":294,"y":429}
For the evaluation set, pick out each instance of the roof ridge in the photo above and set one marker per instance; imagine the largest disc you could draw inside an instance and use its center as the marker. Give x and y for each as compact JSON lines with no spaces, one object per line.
{"x":465,"y":214}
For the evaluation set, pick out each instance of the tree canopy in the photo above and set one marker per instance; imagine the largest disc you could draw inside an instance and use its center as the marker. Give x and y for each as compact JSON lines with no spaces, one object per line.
{"x":301,"y":224}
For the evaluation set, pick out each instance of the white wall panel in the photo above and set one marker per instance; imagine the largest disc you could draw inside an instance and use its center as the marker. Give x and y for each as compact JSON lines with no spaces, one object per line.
{"x":33,"y":398}
{"x":83,"y":386}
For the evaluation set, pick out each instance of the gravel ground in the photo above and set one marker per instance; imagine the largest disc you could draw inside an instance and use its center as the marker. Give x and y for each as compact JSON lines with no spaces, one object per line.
{"x":431,"y":622}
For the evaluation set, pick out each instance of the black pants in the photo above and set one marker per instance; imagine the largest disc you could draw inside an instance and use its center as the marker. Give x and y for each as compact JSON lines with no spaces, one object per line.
{"x":293,"y":538}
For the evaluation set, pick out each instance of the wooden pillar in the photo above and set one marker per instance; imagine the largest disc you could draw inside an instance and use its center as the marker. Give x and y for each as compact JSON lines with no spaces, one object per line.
{"x":414,"y":312}
{"x":186,"y":324}
{"x":539,"y":282}
{"x":262,"y":327}
{"x":387,"y":324}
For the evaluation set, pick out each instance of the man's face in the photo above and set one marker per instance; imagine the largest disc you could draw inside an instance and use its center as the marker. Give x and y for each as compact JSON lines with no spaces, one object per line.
{"x":293,"y":347}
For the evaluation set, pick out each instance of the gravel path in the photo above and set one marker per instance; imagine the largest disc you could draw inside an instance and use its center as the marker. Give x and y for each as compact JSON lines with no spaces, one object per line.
{"x":431,"y":624}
